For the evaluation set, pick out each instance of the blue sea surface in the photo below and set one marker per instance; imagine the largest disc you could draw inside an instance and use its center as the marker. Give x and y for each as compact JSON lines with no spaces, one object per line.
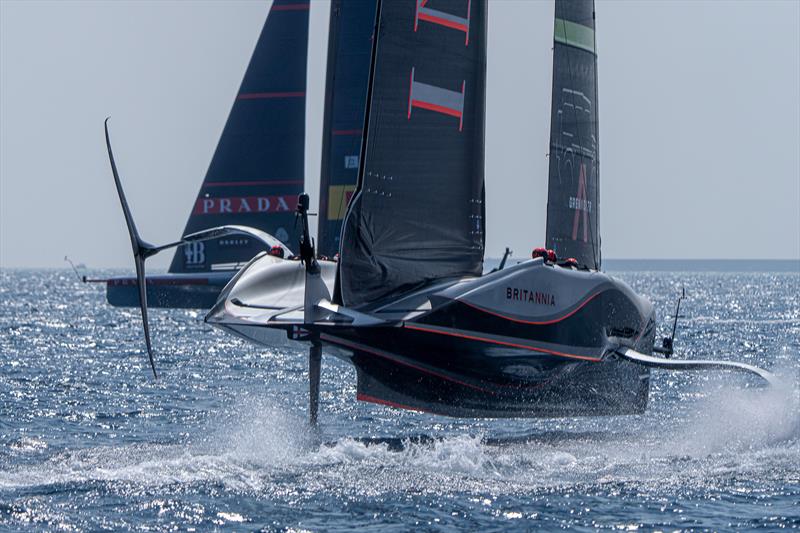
{"x":90,"y":441}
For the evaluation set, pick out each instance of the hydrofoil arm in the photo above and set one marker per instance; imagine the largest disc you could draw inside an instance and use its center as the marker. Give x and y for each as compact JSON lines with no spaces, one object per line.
{"x":693,"y":364}
{"x":142,"y":249}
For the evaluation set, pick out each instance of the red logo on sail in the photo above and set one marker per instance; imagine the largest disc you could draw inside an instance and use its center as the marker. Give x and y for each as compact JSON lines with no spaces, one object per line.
{"x":581,"y":204}
{"x":442,"y":18}
{"x":434,"y":98}
{"x":431,"y":97}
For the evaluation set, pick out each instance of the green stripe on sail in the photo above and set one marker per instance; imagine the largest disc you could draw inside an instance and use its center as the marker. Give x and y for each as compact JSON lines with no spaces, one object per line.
{"x":574,"y":34}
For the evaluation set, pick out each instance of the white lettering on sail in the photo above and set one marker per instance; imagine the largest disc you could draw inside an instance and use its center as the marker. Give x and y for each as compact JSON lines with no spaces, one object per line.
{"x":244,"y":204}
{"x":351,"y":161}
{"x":579,"y":201}
{"x":575,"y":146}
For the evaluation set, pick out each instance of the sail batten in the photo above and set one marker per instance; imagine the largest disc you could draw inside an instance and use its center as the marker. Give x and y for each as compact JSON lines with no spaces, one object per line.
{"x":573,"y":189}
{"x":418,"y":210}
{"x":257,"y":170}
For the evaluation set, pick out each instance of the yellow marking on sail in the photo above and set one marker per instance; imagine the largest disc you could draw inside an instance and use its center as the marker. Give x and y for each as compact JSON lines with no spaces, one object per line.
{"x":338,"y":198}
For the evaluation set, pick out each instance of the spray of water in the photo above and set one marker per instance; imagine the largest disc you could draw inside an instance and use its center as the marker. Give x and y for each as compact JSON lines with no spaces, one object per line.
{"x":255,"y":443}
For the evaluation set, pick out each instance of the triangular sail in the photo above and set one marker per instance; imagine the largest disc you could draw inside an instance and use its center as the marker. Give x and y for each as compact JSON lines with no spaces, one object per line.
{"x":417,"y":214}
{"x":349,"y":47}
{"x":257,"y":169}
{"x":572,"y":203}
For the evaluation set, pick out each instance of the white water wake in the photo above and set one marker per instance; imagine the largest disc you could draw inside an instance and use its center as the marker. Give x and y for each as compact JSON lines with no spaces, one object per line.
{"x":259,"y":447}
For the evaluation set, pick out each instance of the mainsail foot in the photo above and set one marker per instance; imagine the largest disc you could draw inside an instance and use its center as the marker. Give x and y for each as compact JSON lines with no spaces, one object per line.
{"x":694,"y":364}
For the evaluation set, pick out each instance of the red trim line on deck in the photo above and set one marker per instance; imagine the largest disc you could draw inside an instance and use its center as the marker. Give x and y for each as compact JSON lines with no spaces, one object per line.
{"x":503,"y":343}
{"x":386,"y":355}
{"x":361,"y":397}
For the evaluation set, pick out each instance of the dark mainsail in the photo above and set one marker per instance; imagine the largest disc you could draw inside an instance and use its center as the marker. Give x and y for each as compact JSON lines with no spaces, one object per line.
{"x":418,"y":211}
{"x":572,"y":202}
{"x":349,"y":46}
{"x":257,"y":169}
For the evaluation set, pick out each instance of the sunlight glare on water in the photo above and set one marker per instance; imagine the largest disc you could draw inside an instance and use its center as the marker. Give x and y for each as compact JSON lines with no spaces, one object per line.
{"x":90,"y":441}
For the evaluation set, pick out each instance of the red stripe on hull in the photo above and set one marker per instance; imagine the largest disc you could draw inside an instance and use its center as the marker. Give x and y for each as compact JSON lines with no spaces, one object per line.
{"x":502,"y":343}
{"x":361,"y":397}
{"x":385,"y":355}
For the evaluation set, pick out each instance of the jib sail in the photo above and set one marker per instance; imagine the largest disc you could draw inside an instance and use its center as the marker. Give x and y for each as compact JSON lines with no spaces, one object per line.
{"x":349,"y":47}
{"x":257,"y":169}
{"x":572,"y":203}
{"x":418,"y":211}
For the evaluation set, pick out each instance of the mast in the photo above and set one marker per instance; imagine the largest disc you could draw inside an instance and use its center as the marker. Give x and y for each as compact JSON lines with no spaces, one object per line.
{"x":573,"y":189}
{"x":417,"y":214}
{"x":257,"y":169}
{"x":349,"y":59}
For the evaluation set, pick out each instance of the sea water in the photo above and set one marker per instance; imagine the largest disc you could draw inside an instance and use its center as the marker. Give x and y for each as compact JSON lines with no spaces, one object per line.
{"x":90,"y":441}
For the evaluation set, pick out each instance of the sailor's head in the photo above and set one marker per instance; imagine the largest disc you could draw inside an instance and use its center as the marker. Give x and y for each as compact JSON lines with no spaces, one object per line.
{"x":277,"y":251}
{"x":539,"y":252}
{"x":570,"y":262}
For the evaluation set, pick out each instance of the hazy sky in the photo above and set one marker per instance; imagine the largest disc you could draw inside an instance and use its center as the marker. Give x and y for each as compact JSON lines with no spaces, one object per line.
{"x":699,"y":123}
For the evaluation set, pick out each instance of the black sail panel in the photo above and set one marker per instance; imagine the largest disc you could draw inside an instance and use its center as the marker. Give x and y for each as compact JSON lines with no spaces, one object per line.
{"x":573,"y":193}
{"x":417,"y":214}
{"x":257,"y":169}
{"x":349,"y":48}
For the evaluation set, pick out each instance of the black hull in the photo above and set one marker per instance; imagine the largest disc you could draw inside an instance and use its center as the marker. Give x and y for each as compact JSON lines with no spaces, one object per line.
{"x":515,"y":383}
{"x":533,"y":340}
{"x":467,"y":357}
{"x":169,"y":291}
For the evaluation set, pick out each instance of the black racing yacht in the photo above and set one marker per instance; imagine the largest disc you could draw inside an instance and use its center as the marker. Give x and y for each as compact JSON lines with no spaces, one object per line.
{"x":408,"y":302}
{"x":254,"y":177}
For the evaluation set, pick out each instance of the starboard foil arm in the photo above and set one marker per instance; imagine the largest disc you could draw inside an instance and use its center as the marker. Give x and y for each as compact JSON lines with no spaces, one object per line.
{"x":222,"y":231}
{"x":142,"y":249}
{"x":693,"y":364}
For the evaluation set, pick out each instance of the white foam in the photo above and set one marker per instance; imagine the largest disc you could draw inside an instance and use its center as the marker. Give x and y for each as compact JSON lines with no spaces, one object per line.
{"x":254,"y":445}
